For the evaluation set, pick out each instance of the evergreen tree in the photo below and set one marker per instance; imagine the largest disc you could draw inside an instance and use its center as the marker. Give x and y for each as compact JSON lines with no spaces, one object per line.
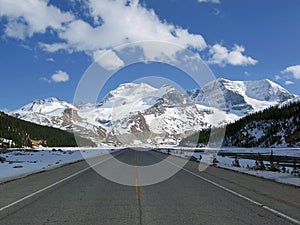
{"x":236,"y":162}
{"x":259,"y":163}
{"x":272,"y":167}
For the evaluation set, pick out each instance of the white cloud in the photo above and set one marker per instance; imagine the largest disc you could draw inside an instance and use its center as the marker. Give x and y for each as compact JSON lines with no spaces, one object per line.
{"x":277,"y":77}
{"x":216,"y":11}
{"x":60,"y":76}
{"x":122,"y":21}
{"x":108,"y":59}
{"x":45,"y":79}
{"x":16,"y":29}
{"x":53,"y":47}
{"x":163,"y":51}
{"x":295,"y":70}
{"x":210,"y":1}
{"x":26,"y":17}
{"x":50,"y":60}
{"x":288,"y":82}
{"x":222,"y":56}
{"x":135,"y":25}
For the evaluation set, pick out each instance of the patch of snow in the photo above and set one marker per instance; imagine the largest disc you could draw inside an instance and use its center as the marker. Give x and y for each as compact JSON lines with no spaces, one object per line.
{"x":286,"y":178}
{"x":246,"y":164}
{"x":216,"y":117}
{"x":20,"y":163}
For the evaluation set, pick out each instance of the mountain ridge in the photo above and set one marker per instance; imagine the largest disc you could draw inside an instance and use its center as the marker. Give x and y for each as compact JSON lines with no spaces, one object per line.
{"x":163,"y":115}
{"x":241,"y":97}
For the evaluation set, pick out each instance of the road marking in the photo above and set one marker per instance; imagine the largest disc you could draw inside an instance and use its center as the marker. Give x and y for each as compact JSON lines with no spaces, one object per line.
{"x":54,"y":184}
{"x":274,"y":211}
{"x":137,"y":189}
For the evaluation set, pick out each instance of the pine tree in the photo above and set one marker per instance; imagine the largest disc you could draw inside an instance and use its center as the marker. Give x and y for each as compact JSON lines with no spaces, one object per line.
{"x":236,"y":162}
{"x":259,"y":163}
{"x":271,"y":160}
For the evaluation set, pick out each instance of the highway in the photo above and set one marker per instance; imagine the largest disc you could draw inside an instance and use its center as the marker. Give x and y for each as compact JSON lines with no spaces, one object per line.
{"x":76,"y":194}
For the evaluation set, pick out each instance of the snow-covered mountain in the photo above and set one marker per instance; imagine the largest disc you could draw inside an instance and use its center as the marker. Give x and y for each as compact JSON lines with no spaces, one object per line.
{"x":135,"y":113}
{"x":56,"y":113}
{"x":50,"y":112}
{"x":128,"y":114}
{"x":241,"y":98}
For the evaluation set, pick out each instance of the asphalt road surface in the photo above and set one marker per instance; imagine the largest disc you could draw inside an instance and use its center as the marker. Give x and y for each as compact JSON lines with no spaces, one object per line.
{"x":76,"y":194}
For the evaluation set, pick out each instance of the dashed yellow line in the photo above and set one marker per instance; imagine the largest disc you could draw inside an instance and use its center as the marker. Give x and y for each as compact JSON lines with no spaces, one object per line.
{"x":137,"y":189}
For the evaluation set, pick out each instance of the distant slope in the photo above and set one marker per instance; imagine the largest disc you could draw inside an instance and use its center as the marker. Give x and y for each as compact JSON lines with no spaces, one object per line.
{"x":273,"y":127}
{"x":18,"y":133}
{"x":241,"y":97}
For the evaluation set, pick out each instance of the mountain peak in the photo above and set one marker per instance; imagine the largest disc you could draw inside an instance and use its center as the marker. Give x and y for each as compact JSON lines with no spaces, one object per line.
{"x":46,"y":100}
{"x":241,"y":97}
{"x":134,"y":85}
{"x":222,"y":79}
{"x":46,"y":105}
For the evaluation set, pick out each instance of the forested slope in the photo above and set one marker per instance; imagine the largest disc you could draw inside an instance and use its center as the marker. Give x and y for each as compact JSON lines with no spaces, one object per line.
{"x":18,"y":133}
{"x":272,"y":127}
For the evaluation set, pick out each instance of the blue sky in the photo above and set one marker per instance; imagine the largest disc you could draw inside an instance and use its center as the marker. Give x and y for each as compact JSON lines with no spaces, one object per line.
{"x":46,"y":46}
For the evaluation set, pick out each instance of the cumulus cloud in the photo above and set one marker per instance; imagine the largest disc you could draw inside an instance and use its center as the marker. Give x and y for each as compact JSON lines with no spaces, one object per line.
{"x":294,"y":70}
{"x":108,"y":59}
{"x":222,"y":56}
{"x":26,"y":17}
{"x":137,"y":24}
{"x":60,"y":76}
{"x":210,"y":1}
{"x":114,"y":23}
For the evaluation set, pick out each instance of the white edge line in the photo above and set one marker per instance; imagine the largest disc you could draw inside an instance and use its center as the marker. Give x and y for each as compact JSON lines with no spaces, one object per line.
{"x":52,"y":185}
{"x":274,"y":211}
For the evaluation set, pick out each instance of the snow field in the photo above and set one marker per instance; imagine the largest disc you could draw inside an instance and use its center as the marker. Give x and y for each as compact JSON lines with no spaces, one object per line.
{"x":20,"y":163}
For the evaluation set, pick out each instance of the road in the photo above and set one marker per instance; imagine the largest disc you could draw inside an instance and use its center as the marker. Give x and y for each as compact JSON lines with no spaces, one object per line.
{"x":76,"y":194}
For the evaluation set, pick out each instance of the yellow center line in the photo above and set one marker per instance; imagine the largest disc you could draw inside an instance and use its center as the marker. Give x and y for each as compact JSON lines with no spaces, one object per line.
{"x":137,"y":189}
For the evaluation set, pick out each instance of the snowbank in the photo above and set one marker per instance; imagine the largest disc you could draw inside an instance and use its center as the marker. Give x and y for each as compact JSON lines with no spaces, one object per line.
{"x":19,"y":163}
{"x":246,"y":165}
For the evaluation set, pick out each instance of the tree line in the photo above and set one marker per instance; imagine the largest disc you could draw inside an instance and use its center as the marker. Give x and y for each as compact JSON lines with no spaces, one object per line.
{"x":24,"y":133}
{"x":277,"y":124}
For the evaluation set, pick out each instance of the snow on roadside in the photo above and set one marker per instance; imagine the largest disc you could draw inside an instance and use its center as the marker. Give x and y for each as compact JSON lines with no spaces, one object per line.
{"x":20,"y":163}
{"x":246,"y":164}
{"x":286,"y":178}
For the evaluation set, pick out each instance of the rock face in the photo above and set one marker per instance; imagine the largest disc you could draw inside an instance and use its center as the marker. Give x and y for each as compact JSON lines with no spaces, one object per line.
{"x":140,"y":113}
{"x":138,"y":124}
